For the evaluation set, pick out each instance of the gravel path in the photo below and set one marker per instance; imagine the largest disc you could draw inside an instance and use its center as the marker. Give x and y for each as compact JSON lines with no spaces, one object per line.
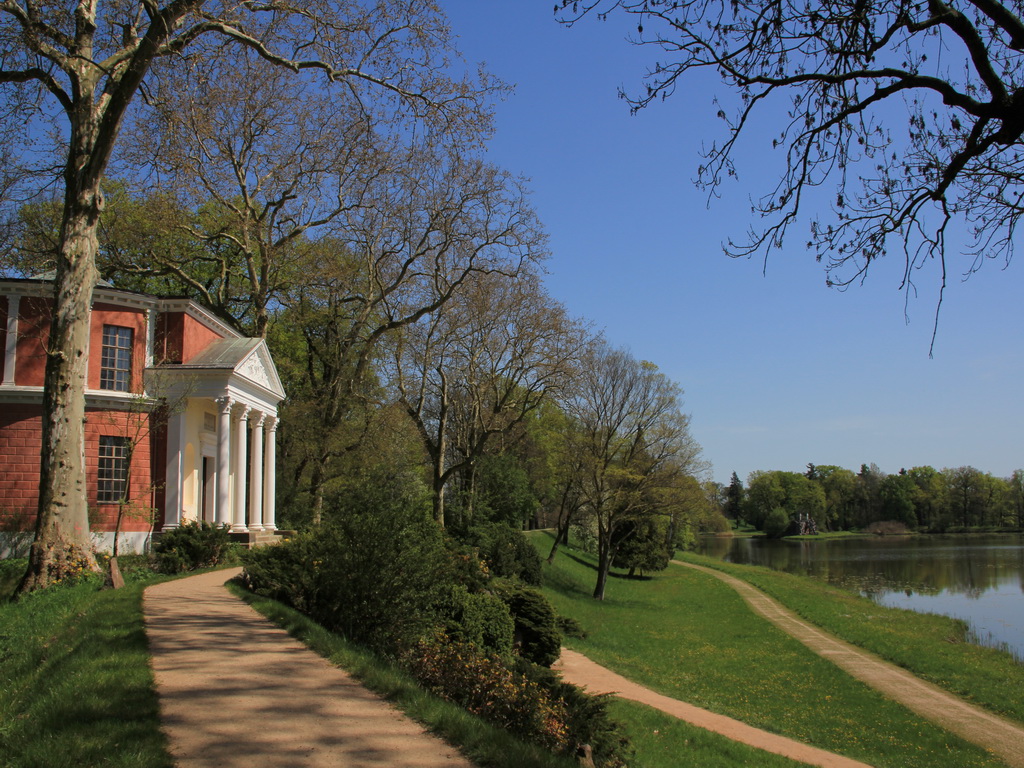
{"x":236,"y":690}
{"x":996,"y":734}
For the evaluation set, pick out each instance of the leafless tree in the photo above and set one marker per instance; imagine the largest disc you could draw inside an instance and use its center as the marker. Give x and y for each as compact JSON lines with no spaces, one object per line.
{"x":428,"y":226}
{"x":477,"y":367}
{"x":950,"y":71}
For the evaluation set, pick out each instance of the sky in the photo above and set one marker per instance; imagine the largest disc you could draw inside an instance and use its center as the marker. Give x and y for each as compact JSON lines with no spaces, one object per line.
{"x":778,"y":369}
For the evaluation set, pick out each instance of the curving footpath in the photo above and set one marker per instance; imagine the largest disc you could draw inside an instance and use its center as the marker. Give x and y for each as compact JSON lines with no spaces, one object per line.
{"x":996,"y":734}
{"x":235,"y":690}
{"x":579,"y":670}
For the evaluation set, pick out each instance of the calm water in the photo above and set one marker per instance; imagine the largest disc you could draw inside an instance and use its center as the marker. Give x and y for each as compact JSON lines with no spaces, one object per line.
{"x":976,"y":578}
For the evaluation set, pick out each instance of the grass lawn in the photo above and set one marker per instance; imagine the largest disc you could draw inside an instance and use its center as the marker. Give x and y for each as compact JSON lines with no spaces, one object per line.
{"x":75,"y":684}
{"x":931,"y":646}
{"x":687,"y":635}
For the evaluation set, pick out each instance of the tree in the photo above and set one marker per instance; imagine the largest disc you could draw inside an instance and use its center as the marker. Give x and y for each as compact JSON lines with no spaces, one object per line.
{"x":72,"y":75}
{"x":792,"y":493}
{"x":897,"y":497}
{"x":839,"y":486}
{"x":949,"y":70}
{"x":734,"y":498}
{"x":477,"y":367}
{"x":1016,"y":483}
{"x":633,"y":440}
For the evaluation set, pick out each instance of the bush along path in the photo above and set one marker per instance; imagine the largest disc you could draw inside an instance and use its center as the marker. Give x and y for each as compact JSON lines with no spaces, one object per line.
{"x":995,"y":734}
{"x":237,"y":691}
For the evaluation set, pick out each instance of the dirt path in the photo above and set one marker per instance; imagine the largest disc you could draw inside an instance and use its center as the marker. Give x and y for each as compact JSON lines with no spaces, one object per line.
{"x":996,"y":734}
{"x":579,"y":670}
{"x":237,"y":691}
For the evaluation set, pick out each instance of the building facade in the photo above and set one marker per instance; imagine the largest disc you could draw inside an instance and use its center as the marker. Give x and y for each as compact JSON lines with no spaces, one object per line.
{"x":181,"y":418}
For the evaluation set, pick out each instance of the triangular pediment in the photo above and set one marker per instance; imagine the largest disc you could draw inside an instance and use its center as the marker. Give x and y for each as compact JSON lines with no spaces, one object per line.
{"x":258,"y":367}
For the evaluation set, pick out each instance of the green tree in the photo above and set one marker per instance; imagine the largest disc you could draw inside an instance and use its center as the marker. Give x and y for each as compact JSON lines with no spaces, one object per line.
{"x":733,"y":507}
{"x":73,"y":74}
{"x":897,"y":497}
{"x":633,"y":439}
{"x":839,"y":486}
{"x":929,"y":498}
{"x":793,"y":493}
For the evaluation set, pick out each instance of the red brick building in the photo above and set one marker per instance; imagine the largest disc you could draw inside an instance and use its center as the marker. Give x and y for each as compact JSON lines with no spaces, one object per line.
{"x":181,"y":416}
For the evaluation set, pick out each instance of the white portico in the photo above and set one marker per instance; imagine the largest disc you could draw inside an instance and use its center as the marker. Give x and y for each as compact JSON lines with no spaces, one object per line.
{"x":221,"y":435}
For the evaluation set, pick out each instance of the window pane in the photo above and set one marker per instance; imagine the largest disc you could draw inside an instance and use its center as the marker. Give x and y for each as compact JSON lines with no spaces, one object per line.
{"x":112,"y":474}
{"x":116,"y":359}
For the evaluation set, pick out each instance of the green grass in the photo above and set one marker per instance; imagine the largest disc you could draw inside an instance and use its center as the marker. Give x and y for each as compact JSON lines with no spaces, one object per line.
{"x":931,"y":646}
{"x":689,"y":636}
{"x":832,"y":535}
{"x":663,"y":741}
{"x":484,"y":744}
{"x":11,"y":572}
{"x":75,"y":684}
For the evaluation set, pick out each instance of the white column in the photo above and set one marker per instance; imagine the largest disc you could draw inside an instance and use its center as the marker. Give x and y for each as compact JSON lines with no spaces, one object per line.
{"x":256,"y":491}
{"x":269,"y":476}
{"x":174,"y":474}
{"x":241,"y":464}
{"x":150,"y":336}
{"x":11,"y":347}
{"x":222,"y":511}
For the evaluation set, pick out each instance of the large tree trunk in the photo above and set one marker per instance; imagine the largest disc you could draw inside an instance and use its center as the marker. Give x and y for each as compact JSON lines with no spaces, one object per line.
{"x":62,"y":546}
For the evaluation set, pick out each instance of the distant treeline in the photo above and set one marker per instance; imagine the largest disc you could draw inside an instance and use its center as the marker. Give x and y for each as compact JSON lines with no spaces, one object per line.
{"x":921,"y":498}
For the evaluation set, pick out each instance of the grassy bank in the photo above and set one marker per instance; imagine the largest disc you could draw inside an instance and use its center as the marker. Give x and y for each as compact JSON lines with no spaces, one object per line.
{"x":485,"y":745}
{"x":931,"y":646}
{"x":687,"y":635}
{"x":75,"y":684}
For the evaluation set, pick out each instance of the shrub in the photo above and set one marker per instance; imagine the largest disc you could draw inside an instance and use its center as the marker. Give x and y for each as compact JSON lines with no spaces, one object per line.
{"x":507,"y":552}
{"x":888,"y":528}
{"x":536,"y":629}
{"x":190,"y":546}
{"x":776,"y":523}
{"x":372,"y":573}
{"x":586,"y":718}
{"x":479,"y":619}
{"x":486,"y":686}
{"x":569,"y":627}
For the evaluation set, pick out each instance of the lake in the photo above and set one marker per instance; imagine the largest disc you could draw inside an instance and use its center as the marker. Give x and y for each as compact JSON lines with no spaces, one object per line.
{"x":977,"y":578}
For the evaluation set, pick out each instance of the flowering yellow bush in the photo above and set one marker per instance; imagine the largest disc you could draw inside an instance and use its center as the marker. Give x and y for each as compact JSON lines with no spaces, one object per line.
{"x":486,"y":686}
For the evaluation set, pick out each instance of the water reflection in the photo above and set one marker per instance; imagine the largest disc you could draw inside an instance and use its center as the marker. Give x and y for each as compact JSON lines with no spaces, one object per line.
{"x":978,"y":578}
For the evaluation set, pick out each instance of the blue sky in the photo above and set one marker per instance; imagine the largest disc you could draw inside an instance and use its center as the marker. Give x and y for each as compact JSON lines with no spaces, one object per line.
{"x":778,"y":369}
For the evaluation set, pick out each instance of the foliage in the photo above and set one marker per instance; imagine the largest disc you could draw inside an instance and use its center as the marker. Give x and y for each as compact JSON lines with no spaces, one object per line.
{"x":486,"y":686}
{"x":777,"y":522}
{"x":587,"y":719}
{"x":369,"y":572}
{"x":635,"y":452}
{"x":506,"y":552}
{"x":537,"y":634}
{"x":643,"y":545}
{"x":192,"y":545}
{"x":921,"y":498}
{"x":503,"y":491}
{"x":479,"y":619}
